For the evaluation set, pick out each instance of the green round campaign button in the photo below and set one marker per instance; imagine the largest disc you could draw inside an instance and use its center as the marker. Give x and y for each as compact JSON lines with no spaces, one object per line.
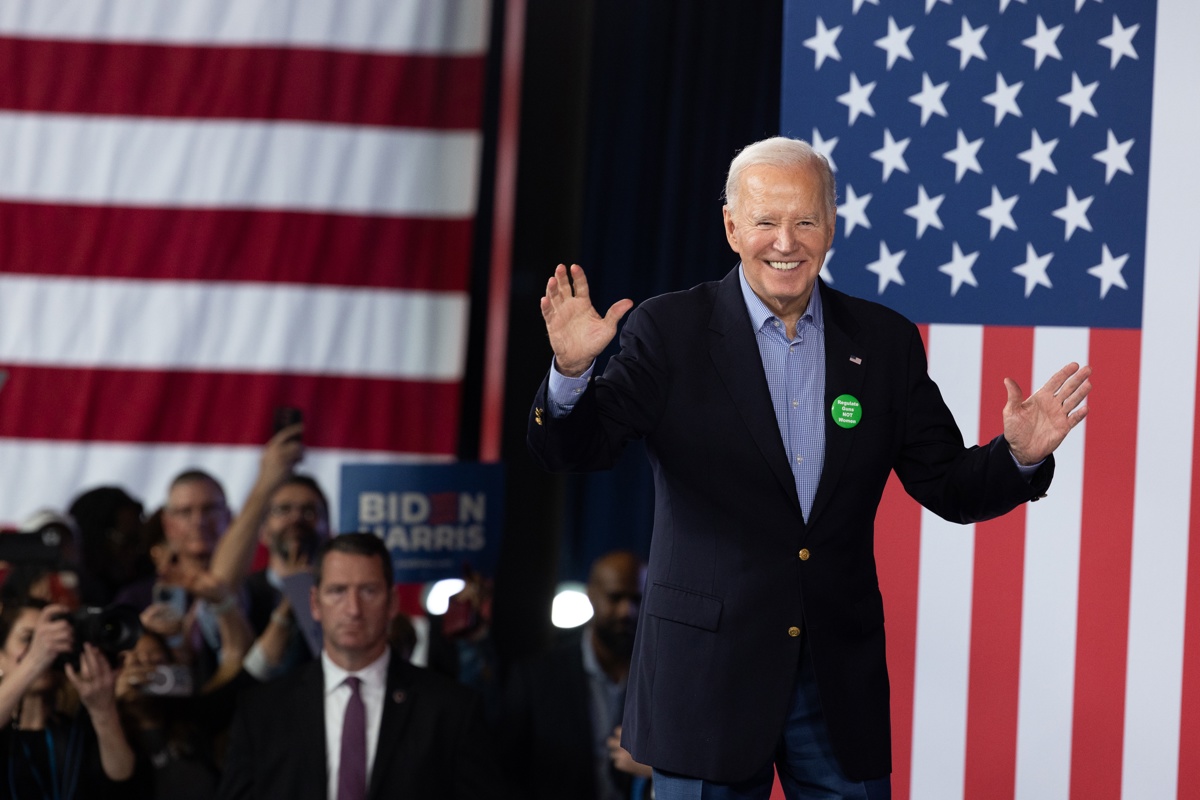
{"x":846,"y":411}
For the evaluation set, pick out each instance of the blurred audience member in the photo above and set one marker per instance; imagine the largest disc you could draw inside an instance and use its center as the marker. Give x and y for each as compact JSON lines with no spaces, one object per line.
{"x":192,"y":580}
{"x":194,"y":517}
{"x":296,"y":523}
{"x":560,"y":709}
{"x":111,"y":549}
{"x":173,"y":727}
{"x":49,"y":751}
{"x":49,"y":572}
{"x":461,"y":644}
{"x":360,"y":715}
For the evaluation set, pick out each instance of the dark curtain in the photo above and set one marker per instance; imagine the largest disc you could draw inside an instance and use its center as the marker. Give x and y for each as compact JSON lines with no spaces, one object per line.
{"x":630,"y":114}
{"x":676,"y":88}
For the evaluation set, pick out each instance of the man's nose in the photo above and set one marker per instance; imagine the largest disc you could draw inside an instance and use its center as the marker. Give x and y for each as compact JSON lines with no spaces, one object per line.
{"x":785,"y":239}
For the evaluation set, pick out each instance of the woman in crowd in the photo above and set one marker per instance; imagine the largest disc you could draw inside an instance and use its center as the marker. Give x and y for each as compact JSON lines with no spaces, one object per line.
{"x":51,"y":747}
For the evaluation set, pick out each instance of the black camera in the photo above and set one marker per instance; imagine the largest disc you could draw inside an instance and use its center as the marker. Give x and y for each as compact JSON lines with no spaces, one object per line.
{"x":42,"y":549}
{"x":110,"y":630}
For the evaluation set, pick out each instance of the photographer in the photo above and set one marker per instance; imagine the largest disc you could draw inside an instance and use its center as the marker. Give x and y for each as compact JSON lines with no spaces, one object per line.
{"x":52,"y":748}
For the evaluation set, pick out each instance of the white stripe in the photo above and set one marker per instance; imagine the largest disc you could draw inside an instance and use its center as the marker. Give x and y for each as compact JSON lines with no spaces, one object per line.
{"x":1050,"y":598}
{"x":236,"y":164}
{"x":943,"y":646}
{"x":457,"y":27}
{"x":1166,"y":419}
{"x":40,"y":474}
{"x":249,"y":327}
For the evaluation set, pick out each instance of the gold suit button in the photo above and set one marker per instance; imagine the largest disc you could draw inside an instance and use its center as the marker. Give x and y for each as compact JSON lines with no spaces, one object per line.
{"x":793,"y":631}
{"x":804,"y":554}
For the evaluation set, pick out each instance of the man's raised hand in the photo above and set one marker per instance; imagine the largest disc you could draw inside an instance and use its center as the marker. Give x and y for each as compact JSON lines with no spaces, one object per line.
{"x":578,"y":334}
{"x":1035,"y":426}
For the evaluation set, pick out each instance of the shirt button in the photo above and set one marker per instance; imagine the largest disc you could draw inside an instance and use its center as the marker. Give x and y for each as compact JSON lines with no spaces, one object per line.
{"x":793,"y":631}
{"x":795,"y":404}
{"x":804,"y":554}
{"x":799,"y":459}
{"x":775,"y":323}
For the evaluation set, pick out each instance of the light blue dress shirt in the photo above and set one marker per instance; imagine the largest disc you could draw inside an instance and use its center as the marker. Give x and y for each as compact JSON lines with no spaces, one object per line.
{"x":795,"y":369}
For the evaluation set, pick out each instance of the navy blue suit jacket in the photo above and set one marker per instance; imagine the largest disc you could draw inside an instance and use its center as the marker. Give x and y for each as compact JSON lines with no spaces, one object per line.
{"x":715,"y":658}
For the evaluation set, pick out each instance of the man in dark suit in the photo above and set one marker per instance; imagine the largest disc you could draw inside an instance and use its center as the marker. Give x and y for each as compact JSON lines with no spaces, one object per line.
{"x":561,"y":707}
{"x":773,"y":410}
{"x":418,"y":735}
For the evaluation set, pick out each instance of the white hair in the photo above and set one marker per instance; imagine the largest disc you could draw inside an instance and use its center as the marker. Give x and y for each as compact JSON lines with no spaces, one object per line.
{"x":780,"y":151}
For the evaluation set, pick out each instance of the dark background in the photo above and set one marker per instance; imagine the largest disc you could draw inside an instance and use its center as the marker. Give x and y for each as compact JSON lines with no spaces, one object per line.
{"x":630,"y":114}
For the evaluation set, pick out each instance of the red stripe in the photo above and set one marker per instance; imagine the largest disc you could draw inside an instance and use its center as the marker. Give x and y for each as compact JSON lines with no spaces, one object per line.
{"x":1189,"y":712}
{"x":1104,"y":573}
{"x":227,"y":408}
{"x":994,"y":683}
{"x":150,"y":80}
{"x":898,"y":554}
{"x":235,"y":245}
{"x":508,"y":141}
{"x":898,"y":559}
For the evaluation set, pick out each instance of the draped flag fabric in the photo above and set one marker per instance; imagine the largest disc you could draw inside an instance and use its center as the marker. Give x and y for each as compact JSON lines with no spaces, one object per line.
{"x":212,"y":208}
{"x":1020,"y":179}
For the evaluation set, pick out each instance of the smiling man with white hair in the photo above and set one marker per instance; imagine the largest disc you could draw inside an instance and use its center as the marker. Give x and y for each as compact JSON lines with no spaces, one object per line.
{"x":773,"y":409}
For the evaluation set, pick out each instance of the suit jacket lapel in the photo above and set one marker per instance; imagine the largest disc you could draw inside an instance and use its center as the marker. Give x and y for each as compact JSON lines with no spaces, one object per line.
{"x":842,"y":376}
{"x":397,"y":706}
{"x":735,"y":355}
{"x":311,"y":717}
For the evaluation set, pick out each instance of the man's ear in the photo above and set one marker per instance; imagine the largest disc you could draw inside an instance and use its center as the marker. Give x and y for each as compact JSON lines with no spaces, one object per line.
{"x":314,"y":608}
{"x":730,"y":228}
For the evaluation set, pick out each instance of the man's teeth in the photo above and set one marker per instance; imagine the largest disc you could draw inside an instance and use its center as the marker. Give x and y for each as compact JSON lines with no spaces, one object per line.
{"x":784,"y":265}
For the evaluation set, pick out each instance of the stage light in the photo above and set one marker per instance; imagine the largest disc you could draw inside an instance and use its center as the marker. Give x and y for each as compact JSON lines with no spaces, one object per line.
{"x":571,"y":606}
{"x":436,"y":597}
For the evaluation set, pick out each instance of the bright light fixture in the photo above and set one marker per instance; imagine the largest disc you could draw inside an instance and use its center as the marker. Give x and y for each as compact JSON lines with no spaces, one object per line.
{"x":571,"y":606}
{"x":437,"y":595}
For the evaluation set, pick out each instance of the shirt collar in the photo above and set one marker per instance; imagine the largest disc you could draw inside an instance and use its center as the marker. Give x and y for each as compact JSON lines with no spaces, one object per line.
{"x":373,"y":675}
{"x":760,"y":315}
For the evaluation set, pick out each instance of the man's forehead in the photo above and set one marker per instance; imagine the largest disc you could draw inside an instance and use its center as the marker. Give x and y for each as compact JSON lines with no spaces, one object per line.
{"x":196,"y":488}
{"x":296,"y":491}
{"x":343,"y":568}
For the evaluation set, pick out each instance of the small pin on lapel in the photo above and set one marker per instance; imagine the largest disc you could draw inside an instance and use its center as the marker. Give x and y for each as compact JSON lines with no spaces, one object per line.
{"x":856,"y":359}
{"x":399,"y":696}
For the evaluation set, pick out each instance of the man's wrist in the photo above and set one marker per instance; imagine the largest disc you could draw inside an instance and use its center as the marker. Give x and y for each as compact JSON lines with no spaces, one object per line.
{"x":572,"y":370}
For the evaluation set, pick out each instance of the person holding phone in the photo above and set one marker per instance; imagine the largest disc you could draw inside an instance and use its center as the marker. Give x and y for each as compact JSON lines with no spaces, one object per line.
{"x":172,"y":728}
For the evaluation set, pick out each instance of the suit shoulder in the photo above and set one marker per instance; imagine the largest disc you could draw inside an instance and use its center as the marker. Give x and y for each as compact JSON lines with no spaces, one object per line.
{"x":435,"y":686}
{"x":689,"y":301}
{"x":282,"y":690}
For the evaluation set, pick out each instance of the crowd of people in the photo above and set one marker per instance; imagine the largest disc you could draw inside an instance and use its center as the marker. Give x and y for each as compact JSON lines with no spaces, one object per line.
{"x":170,"y":655}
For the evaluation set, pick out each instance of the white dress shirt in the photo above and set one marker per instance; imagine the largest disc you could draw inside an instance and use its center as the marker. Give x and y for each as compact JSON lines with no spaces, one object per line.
{"x":372,"y":688}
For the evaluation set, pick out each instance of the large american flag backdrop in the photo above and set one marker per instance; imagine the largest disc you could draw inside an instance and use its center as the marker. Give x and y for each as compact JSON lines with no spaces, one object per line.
{"x":1020,"y":178}
{"x":214,"y":207}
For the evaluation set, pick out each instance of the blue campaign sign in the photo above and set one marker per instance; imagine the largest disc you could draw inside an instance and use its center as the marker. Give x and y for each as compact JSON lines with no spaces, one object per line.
{"x":434,"y":518}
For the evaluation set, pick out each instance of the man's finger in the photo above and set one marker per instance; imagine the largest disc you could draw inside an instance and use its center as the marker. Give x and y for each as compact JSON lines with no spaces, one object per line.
{"x":618,"y":310}
{"x":1015,"y":395}
{"x":579,"y":284}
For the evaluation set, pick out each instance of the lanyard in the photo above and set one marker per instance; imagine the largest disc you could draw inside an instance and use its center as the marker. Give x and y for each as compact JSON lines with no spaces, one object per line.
{"x":55,"y":792}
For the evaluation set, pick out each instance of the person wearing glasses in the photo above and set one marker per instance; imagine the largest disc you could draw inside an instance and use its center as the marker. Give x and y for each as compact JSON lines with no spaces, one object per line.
{"x":295,"y":524}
